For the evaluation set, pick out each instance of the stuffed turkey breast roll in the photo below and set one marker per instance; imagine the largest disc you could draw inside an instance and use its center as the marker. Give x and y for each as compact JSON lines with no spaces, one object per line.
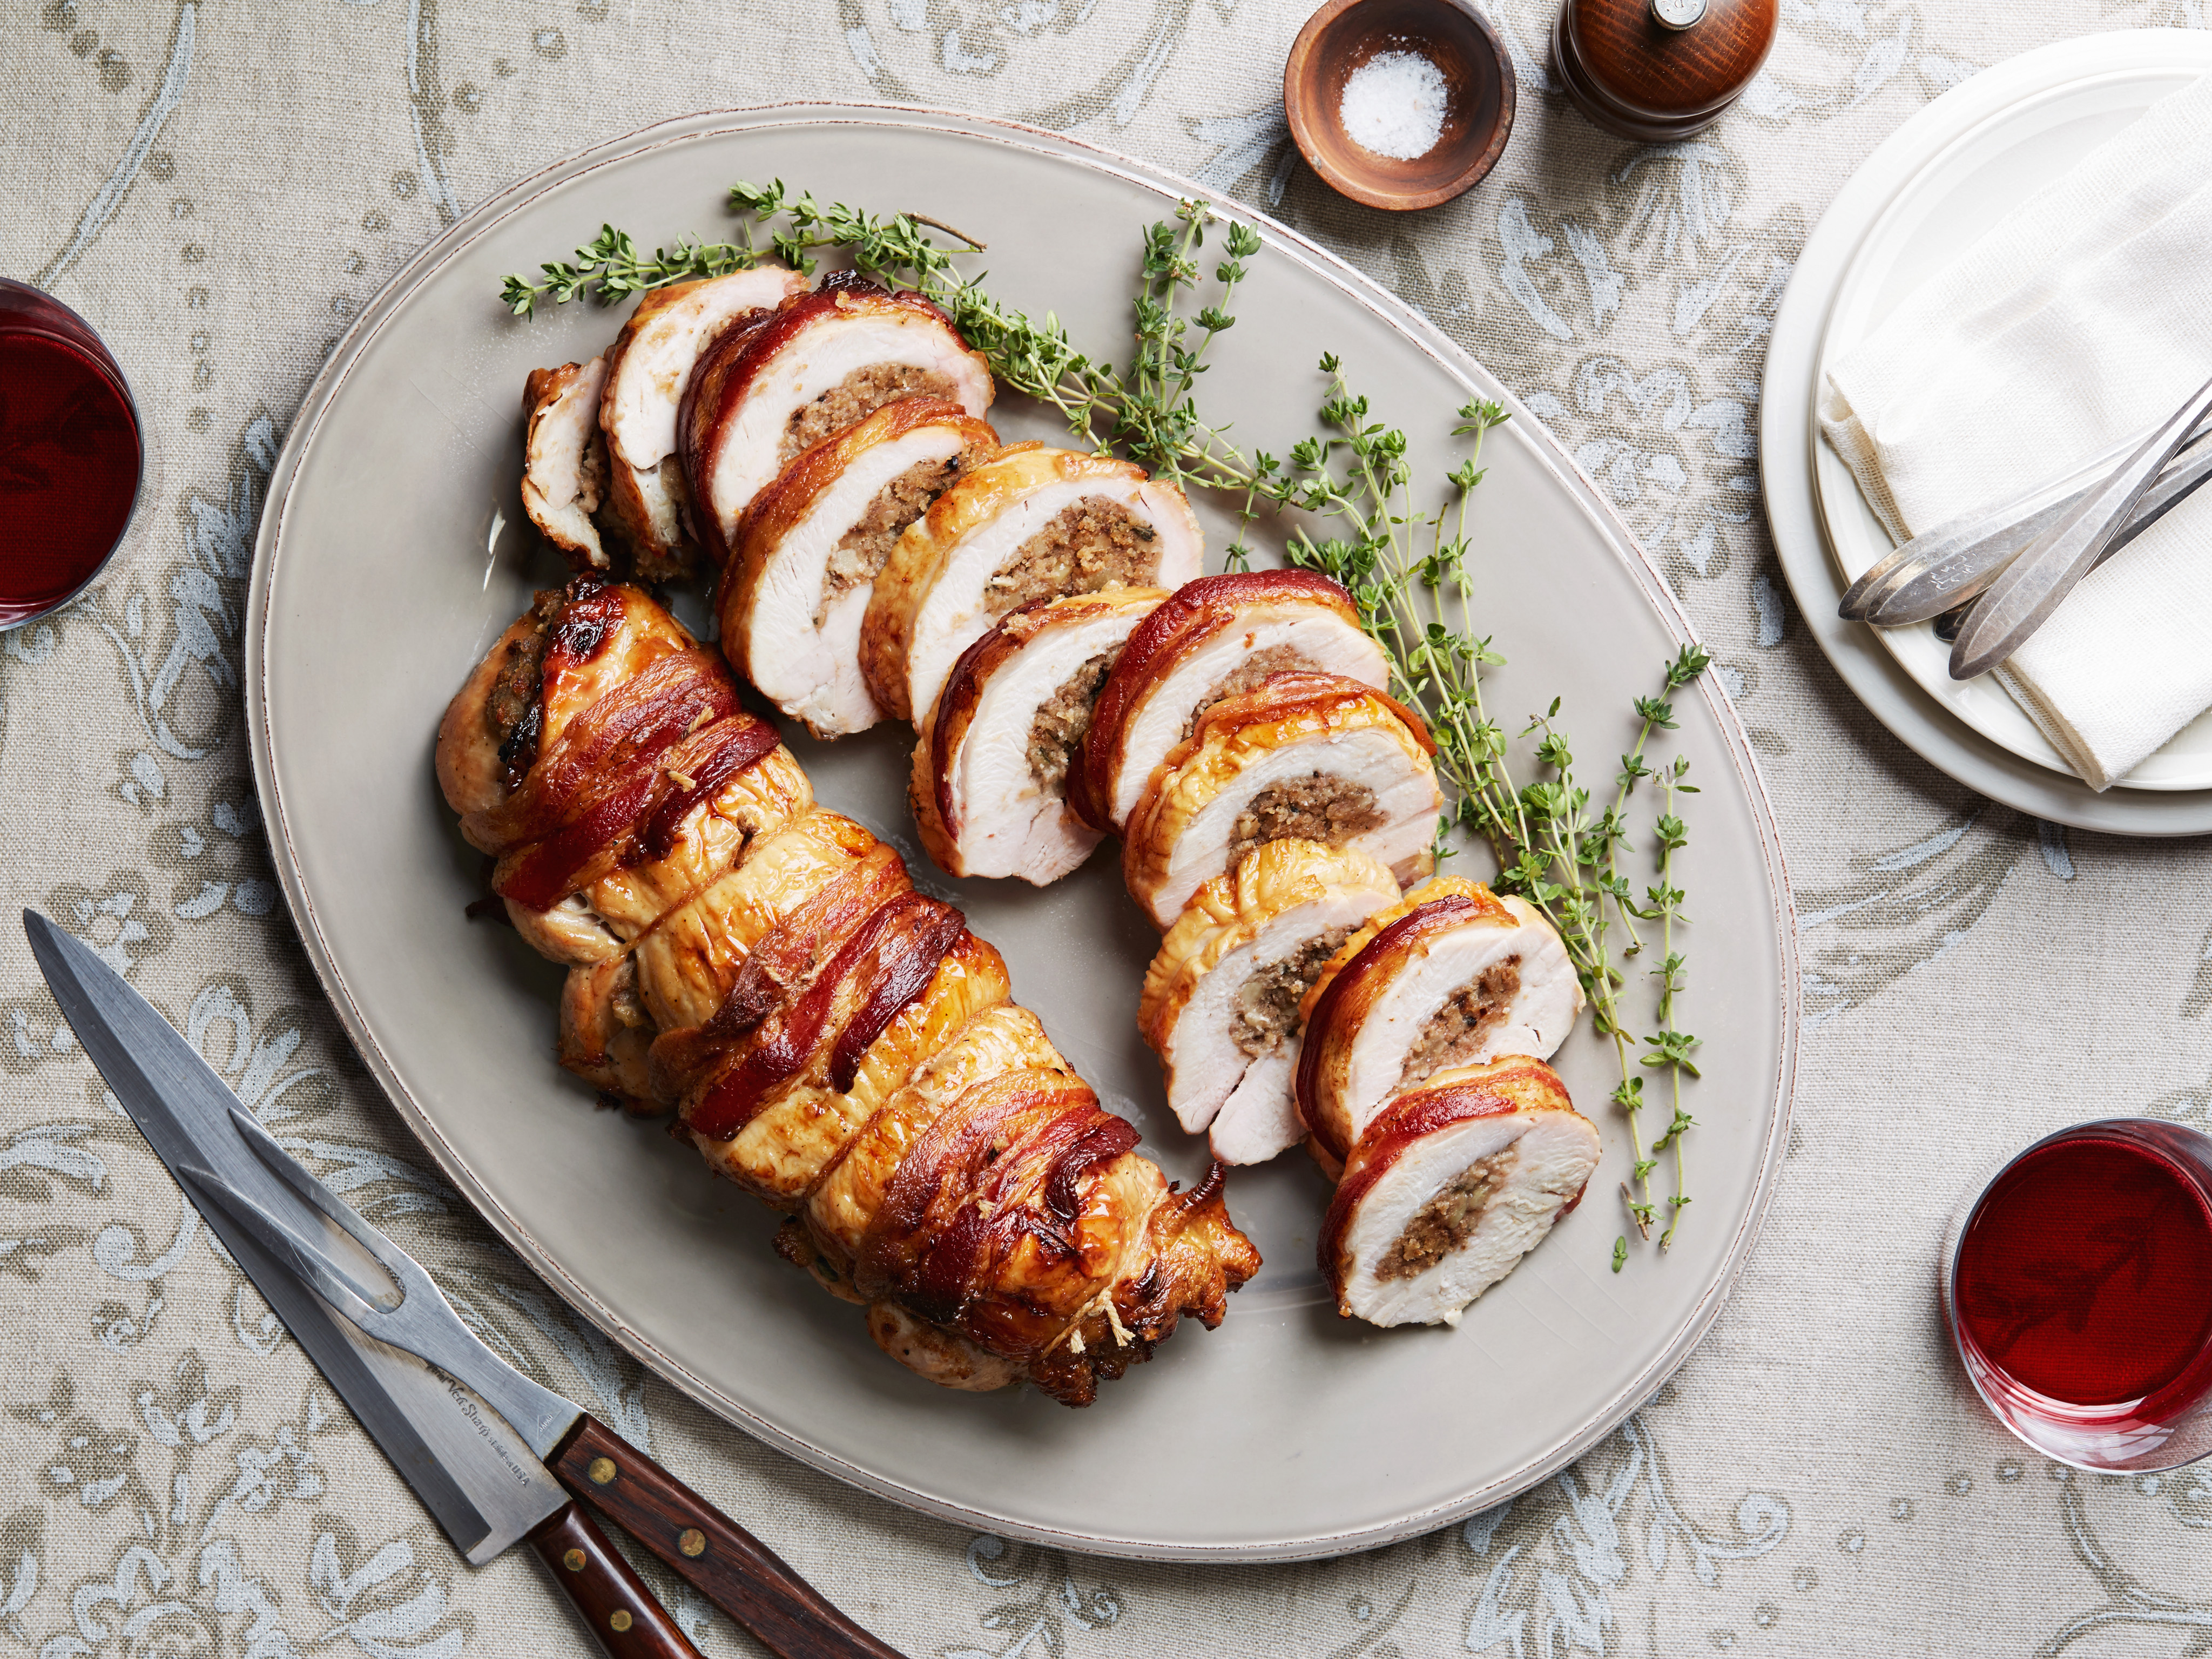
{"x":810,"y":546}
{"x":1300,"y":756}
{"x":564,"y":459}
{"x":821,"y":360}
{"x":1218,"y":636}
{"x":648,"y":366}
{"x":1450,"y":1188}
{"x":1030,"y":524}
{"x":1220,"y":1002}
{"x":990,"y":770}
{"x":1453,"y":975}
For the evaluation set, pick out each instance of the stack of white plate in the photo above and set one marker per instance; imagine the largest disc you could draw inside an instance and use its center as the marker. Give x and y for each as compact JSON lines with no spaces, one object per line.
{"x":1931,"y":189}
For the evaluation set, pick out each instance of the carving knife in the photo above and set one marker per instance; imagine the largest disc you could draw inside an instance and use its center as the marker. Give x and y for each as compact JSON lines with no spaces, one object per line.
{"x":494,"y":1456}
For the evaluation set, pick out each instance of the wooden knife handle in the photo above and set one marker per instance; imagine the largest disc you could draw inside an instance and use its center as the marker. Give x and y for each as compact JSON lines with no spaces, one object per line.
{"x":620,"y":1611}
{"x":719,"y":1559}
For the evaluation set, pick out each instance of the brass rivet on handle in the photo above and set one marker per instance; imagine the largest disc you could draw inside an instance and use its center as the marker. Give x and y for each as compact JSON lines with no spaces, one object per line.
{"x":619,"y":1618}
{"x":601,"y":1471}
{"x":573,"y":1560}
{"x":692,"y":1541}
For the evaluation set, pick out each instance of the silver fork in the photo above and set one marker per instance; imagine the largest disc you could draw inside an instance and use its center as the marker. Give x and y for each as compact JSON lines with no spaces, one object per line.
{"x":419,"y":1321}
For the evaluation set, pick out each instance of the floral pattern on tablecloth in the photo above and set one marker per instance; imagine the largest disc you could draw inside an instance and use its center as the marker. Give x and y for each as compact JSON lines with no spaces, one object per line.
{"x":221,"y":185}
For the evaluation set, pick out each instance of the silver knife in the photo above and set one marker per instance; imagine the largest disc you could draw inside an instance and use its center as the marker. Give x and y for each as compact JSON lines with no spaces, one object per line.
{"x":473,"y":1436}
{"x":2022,"y":600}
{"x":1956,"y":561}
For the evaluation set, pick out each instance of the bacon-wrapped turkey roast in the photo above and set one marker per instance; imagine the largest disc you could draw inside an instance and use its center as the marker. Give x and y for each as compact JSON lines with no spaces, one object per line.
{"x":1217,"y":636}
{"x":836,"y":1042}
{"x":1452,"y":976}
{"x":1221,"y":1000}
{"x":1450,"y":1187}
{"x":790,"y":378}
{"x":808,"y":548}
{"x":1304,"y":757}
{"x":1030,"y":524}
{"x":990,"y":785}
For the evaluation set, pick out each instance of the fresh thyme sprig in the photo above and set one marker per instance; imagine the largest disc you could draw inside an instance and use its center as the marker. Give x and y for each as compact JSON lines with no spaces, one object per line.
{"x":1405,"y":573}
{"x":1670,"y":1044}
{"x":1404,"y":563}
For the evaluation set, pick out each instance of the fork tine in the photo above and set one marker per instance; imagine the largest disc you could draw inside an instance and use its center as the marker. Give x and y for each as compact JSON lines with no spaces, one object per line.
{"x":402,"y":1267}
{"x":335,"y":1286}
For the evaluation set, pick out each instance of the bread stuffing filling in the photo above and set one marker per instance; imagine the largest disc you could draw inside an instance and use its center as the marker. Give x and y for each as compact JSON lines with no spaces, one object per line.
{"x":856,"y":397}
{"x":863,"y":550}
{"x":513,"y":708}
{"x":1063,"y":718}
{"x":1267,"y":1002}
{"x":1250,"y":674}
{"x":1447,"y":1221}
{"x":1453,"y":1035}
{"x":1090,"y":545}
{"x":1318,"y":807}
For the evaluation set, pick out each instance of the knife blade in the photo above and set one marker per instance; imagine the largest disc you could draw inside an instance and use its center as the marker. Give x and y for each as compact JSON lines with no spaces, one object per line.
{"x":312,"y":1253}
{"x":2033,"y":586}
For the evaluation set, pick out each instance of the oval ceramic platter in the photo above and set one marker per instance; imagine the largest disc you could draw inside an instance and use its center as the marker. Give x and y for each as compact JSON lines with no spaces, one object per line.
{"x":390,"y":560}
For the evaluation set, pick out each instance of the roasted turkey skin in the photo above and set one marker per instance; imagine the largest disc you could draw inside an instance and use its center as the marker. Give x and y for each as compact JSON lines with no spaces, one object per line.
{"x":649,"y":367}
{"x":1452,"y":975}
{"x":1450,"y":1188}
{"x":795,"y":376}
{"x":808,"y":550}
{"x":1302,"y":756}
{"x":1217,"y":636}
{"x":990,"y":772}
{"x":1030,"y":524}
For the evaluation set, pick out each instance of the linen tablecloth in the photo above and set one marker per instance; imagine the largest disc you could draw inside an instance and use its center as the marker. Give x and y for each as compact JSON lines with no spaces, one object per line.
{"x":220,"y":184}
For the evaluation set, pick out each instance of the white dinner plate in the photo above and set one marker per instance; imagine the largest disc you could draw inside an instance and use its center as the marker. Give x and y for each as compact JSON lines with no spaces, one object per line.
{"x":389,"y":559}
{"x":1922,"y":197}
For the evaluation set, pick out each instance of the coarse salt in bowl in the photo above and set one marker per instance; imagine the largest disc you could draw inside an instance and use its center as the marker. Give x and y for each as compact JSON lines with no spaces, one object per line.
{"x":1399,"y":104}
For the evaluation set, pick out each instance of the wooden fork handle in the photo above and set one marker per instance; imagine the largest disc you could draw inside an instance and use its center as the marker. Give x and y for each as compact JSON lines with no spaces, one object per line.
{"x":716,"y":1555}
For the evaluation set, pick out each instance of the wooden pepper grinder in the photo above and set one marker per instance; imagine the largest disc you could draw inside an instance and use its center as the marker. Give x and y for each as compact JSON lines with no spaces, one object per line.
{"x":1659,"y":70}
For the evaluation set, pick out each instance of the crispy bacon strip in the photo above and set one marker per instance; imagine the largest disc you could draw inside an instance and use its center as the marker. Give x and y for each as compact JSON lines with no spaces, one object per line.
{"x":891,"y":955}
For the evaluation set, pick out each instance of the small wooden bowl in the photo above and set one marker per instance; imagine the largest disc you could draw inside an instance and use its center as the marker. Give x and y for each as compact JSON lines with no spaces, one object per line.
{"x":1478,"y":97}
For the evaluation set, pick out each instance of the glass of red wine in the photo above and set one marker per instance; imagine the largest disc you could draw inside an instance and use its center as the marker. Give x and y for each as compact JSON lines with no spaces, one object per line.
{"x":71,"y":453}
{"x":2078,"y":1286}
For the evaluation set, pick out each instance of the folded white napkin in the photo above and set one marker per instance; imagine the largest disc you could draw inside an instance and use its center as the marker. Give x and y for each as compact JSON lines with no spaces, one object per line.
{"x":2084,"y":315}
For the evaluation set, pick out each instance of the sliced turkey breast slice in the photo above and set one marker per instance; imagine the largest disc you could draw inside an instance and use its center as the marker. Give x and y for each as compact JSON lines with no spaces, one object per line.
{"x":1453,"y":976}
{"x":990,"y":771}
{"x":1450,"y":1188}
{"x":648,"y":366}
{"x":1030,"y":524}
{"x":1308,"y":756}
{"x":564,"y":459}
{"x":1220,"y":1001}
{"x":809,"y":549}
{"x":1218,"y":636}
{"x":804,"y":373}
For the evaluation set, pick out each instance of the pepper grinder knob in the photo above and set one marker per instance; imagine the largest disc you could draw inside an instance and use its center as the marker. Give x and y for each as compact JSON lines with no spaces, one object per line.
{"x":1656,"y":70}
